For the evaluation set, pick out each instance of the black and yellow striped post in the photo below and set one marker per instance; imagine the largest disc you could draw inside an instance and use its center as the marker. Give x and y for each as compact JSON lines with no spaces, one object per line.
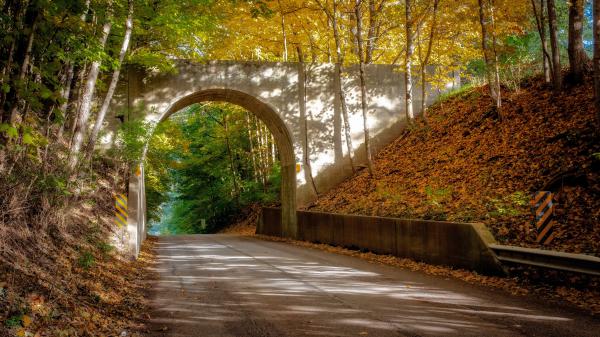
{"x":121,"y":210}
{"x":542,"y":208}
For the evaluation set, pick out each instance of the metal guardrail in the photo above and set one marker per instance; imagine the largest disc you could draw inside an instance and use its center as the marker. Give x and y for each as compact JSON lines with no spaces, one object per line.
{"x":578,"y":263}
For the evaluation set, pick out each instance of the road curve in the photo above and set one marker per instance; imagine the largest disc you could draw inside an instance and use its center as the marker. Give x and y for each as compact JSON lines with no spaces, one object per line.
{"x":223,"y":285}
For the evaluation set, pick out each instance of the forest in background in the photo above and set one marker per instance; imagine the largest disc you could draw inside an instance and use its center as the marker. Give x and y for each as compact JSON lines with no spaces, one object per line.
{"x":206,"y":165}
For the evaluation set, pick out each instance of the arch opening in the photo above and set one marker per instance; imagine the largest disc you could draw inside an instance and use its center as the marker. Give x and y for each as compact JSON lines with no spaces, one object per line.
{"x":281,"y":135}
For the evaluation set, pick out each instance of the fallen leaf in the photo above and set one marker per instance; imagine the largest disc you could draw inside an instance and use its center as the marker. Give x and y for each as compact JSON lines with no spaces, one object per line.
{"x":26,"y":320}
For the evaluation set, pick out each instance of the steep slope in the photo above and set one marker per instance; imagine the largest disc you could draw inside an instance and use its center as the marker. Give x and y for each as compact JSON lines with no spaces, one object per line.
{"x":468,"y":165}
{"x":61,"y":273}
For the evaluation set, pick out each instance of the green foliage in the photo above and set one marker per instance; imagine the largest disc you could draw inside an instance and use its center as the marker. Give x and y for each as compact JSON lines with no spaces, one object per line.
{"x":437,"y":196}
{"x":131,"y":139}
{"x":520,"y":54}
{"x":86,"y":260}
{"x":55,"y":184}
{"x":9,"y":131}
{"x":510,"y":205}
{"x":173,"y":30}
{"x":521,"y":59}
{"x":200,"y":174}
{"x":105,"y":248}
{"x":387,"y":193}
{"x":456,"y":93}
{"x":14,"y":321}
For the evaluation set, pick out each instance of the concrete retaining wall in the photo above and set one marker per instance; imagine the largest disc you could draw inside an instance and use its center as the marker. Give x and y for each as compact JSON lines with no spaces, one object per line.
{"x":460,"y":245}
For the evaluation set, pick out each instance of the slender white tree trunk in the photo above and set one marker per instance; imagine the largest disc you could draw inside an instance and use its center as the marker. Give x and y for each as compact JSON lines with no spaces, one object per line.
{"x":340,"y":89}
{"x":410,"y":49}
{"x":540,"y":22}
{"x":552,"y":25}
{"x":67,"y":90}
{"x":251,"y":142}
{"x":425,"y":61}
{"x":489,"y":53}
{"x":363,"y":86}
{"x":113,"y":83}
{"x":86,"y":99}
{"x":283,"y":32}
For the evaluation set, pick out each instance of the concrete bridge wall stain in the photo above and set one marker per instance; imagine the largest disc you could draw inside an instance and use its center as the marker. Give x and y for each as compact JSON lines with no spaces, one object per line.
{"x":272,"y":92}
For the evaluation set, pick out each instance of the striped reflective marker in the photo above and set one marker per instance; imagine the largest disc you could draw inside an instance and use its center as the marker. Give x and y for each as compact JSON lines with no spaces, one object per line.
{"x":120,"y":210}
{"x":542,"y":208}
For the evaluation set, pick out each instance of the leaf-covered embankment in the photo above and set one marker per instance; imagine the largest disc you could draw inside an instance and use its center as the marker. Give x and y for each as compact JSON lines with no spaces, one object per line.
{"x":61,"y":273}
{"x":466,"y":165}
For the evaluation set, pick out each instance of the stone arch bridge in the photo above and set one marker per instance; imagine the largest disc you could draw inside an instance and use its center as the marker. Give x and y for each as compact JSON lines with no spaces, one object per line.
{"x":299,"y":104}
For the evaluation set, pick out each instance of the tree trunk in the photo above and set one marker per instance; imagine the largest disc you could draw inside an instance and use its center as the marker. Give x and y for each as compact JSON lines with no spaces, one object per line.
{"x":596,"y":24}
{"x":269,"y":142}
{"x":410,"y":49}
{"x":251,"y":142}
{"x":14,"y":11}
{"x":86,"y":100}
{"x":363,"y":88}
{"x":540,"y":22}
{"x":66,"y":96}
{"x":340,"y":88}
{"x":371,"y":32}
{"x":261,"y":158}
{"x":496,"y":63}
{"x":5,"y":72}
{"x":577,"y":56}
{"x":113,"y":83}
{"x":273,"y":149}
{"x":283,"y":32}
{"x":425,"y":62}
{"x":304,"y":122}
{"x":552,"y":27}
{"x":265,"y":149}
{"x":236,"y":189}
{"x":75,"y":111}
{"x":14,"y":116}
{"x":489,"y":55}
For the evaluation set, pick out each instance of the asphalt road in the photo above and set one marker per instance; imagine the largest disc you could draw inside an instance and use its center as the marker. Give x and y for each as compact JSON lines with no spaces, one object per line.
{"x":222,"y":285}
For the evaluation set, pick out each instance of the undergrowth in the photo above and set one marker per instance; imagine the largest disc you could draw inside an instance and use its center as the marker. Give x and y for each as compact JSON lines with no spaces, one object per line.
{"x":60,"y":271}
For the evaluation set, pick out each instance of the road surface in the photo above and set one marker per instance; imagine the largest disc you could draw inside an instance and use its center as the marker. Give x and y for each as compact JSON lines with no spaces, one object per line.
{"x":222,"y":285}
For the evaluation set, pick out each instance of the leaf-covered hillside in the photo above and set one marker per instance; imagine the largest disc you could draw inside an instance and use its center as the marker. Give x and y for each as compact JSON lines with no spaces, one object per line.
{"x":466,"y":165}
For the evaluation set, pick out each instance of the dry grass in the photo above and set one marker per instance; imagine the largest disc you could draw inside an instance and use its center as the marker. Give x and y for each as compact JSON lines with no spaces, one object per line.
{"x":59,"y":273}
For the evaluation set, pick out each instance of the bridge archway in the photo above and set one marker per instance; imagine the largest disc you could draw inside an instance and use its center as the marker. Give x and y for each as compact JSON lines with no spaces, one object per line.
{"x":276,"y":126}
{"x":298,"y":103}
